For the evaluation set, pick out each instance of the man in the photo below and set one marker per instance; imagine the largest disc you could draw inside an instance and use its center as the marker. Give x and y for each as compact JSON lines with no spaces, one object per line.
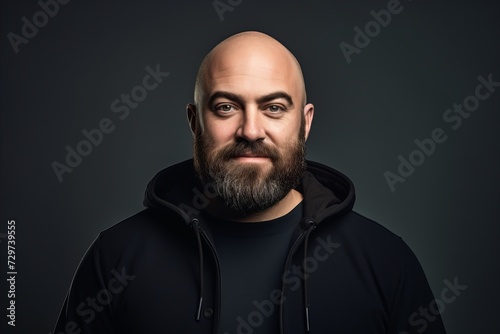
{"x":248,"y":237}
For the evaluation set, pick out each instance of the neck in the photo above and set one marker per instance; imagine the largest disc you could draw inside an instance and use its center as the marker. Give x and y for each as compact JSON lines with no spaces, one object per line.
{"x":217,"y":209}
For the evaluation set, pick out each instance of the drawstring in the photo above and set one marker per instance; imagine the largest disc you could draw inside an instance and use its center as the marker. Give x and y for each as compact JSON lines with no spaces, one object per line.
{"x":194,"y":223}
{"x":311,"y":226}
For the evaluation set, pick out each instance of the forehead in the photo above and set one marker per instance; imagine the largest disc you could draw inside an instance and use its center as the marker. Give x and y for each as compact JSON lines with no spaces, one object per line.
{"x":252,"y":72}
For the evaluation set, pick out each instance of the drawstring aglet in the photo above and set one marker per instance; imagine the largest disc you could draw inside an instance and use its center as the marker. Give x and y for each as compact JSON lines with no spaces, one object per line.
{"x":308,"y":329}
{"x":198,"y":314}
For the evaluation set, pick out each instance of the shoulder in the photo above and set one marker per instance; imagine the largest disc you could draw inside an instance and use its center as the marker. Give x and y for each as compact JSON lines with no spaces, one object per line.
{"x":368,"y":239}
{"x":367,"y":251}
{"x":145,"y":222}
{"x":358,"y":226}
{"x":145,"y":230}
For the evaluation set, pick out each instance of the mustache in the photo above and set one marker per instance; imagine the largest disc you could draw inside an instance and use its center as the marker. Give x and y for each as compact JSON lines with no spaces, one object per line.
{"x":257,"y":148}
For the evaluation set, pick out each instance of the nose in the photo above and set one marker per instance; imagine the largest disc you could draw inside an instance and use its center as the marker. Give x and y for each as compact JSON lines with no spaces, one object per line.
{"x":251,"y":128}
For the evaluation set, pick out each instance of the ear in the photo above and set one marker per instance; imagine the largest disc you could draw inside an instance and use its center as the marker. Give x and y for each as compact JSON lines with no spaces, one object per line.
{"x":191,"y":116}
{"x":308,"y":118}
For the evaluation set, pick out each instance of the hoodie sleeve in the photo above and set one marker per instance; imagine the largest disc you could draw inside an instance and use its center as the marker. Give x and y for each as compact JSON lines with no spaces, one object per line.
{"x":87,"y":307}
{"x":415,"y":310}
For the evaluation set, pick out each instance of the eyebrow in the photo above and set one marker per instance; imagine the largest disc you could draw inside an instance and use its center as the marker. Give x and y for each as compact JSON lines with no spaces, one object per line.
{"x":239,"y":99}
{"x":275,"y":96}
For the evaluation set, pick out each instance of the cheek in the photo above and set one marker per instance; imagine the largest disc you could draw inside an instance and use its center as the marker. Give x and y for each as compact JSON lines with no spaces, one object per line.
{"x":219,"y":133}
{"x":286,"y":134}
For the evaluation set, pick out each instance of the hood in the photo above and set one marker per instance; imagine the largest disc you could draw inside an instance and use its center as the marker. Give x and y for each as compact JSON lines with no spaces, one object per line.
{"x":326,"y":191}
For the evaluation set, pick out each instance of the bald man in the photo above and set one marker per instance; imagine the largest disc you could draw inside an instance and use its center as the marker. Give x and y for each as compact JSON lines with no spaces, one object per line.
{"x":250,"y":123}
{"x":249,"y":236}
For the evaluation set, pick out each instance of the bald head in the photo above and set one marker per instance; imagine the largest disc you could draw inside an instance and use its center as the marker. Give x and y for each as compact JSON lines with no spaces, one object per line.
{"x":248,"y":53}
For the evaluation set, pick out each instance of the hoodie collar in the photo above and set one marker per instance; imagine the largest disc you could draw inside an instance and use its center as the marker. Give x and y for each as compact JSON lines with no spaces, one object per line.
{"x":326,"y":191}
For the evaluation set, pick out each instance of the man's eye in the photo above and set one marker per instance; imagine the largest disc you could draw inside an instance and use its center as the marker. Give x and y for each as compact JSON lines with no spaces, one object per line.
{"x":275,"y":109}
{"x":224,"y":108}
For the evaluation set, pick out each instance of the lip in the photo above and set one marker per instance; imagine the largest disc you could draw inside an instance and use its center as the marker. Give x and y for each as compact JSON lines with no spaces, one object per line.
{"x":250,"y":157}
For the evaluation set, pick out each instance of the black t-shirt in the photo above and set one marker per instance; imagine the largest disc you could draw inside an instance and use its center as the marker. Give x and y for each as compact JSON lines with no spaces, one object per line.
{"x":252,"y":258}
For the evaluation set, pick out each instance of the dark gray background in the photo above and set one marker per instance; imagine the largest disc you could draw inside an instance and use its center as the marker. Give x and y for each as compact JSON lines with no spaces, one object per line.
{"x":367,"y":113}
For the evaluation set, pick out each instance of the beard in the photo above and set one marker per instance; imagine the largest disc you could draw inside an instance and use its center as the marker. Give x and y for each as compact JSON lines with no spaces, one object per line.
{"x":247,"y":188}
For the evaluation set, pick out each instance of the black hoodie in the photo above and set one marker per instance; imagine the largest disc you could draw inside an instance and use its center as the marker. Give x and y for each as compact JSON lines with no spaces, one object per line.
{"x":158,"y":271}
